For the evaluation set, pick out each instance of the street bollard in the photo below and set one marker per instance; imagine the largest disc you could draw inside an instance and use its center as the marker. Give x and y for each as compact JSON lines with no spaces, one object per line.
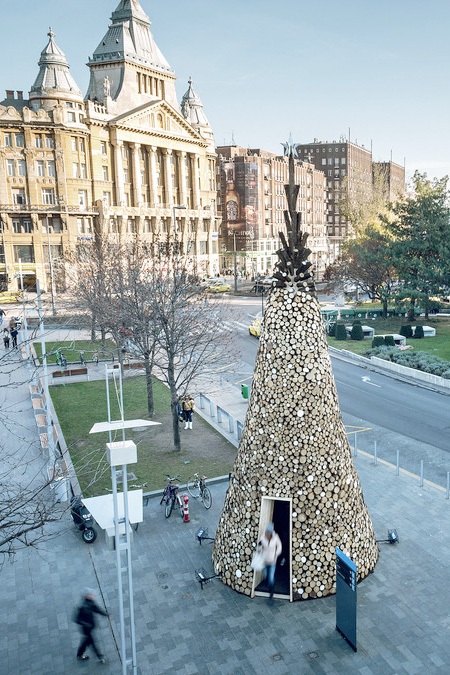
{"x":421,"y":473}
{"x":375,"y":458}
{"x":186,"y":509}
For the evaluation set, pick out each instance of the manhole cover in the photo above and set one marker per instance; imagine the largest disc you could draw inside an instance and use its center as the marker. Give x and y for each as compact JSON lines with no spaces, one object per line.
{"x":161,"y":575}
{"x":313,"y":655}
{"x":276,"y":657}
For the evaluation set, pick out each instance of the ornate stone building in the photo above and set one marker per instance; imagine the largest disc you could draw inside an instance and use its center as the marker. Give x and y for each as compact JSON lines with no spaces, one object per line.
{"x":126,"y":159}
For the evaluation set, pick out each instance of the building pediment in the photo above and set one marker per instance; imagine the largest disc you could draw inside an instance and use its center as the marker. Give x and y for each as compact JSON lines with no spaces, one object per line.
{"x":159,"y":118}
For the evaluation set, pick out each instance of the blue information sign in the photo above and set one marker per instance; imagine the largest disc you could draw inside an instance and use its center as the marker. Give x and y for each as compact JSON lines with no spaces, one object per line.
{"x":346,"y":597}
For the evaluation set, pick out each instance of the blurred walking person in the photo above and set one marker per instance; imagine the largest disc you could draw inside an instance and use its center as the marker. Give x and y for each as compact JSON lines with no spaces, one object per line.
{"x":85,"y":618}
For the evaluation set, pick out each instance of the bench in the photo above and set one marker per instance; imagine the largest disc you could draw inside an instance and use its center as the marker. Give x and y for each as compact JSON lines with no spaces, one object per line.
{"x":37,"y":403}
{"x":41,"y":420}
{"x":70,"y":372}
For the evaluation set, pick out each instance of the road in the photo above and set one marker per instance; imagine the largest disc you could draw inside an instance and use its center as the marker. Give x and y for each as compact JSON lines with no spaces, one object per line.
{"x":409,"y":410}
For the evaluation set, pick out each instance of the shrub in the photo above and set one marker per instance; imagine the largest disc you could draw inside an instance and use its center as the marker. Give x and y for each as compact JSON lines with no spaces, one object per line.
{"x":357,"y":322}
{"x":332,"y":329}
{"x":446,"y":374}
{"x":389,"y":341}
{"x":418,"y":333}
{"x":406,"y":330}
{"x":357,"y":332}
{"x":341,"y":332}
{"x":378,"y":341}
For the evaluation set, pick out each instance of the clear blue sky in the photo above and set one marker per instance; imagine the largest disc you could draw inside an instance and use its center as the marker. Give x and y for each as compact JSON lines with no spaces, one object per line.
{"x":264,"y":68}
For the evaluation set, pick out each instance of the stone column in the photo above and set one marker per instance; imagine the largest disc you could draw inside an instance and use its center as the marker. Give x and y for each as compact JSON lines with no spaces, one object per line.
{"x":153,"y":180}
{"x":195,"y":183}
{"x":182,"y":179}
{"x":118,"y":173}
{"x":168,"y":178}
{"x":137,"y":179}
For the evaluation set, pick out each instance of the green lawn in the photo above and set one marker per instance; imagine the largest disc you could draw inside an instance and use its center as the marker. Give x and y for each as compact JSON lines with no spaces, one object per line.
{"x":71,"y":350}
{"x":437,"y":346}
{"x":80,"y":405}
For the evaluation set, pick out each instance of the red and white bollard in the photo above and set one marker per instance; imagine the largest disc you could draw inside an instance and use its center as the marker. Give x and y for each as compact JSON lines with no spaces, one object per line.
{"x":186,"y":509}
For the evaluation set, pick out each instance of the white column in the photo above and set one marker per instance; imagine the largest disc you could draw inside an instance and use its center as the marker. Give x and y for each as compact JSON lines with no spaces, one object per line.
{"x":196,"y":183}
{"x":182,"y":179}
{"x":118,"y":168}
{"x":168,"y":178}
{"x":153,"y":178}
{"x":137,"y":178}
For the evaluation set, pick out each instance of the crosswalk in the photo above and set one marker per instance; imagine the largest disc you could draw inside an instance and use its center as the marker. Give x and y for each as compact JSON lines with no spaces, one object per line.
{"x":237,"y":326}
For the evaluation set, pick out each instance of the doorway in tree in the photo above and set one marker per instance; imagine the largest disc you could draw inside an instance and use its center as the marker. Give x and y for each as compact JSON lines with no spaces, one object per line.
{"x":279,"y":512}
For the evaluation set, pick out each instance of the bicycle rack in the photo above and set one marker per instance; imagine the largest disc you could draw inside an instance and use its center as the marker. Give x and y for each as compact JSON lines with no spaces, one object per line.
{"x":202,"y":576}
{"x":202,"y":535}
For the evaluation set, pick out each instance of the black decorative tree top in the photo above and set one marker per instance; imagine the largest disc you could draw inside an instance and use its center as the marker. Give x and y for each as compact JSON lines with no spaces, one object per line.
{"x":293,"y":265}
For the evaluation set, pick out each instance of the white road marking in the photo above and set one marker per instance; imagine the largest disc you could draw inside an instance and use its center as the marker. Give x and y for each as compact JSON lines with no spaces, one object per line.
{"x":367,"y":380}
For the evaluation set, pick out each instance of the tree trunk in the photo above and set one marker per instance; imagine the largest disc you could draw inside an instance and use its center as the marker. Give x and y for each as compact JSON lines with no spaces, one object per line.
{"x":427,"y":306}
{"x":149,"y":383}
{"x":411,"y":310}
{"x":385,"y":304}
{"x":174,"y":405}
{"x":103,"y":337}
{"x":93,"y":332}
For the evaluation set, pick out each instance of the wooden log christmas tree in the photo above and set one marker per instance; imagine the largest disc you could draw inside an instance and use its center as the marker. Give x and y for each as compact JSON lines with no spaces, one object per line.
{"x":294,"y":446}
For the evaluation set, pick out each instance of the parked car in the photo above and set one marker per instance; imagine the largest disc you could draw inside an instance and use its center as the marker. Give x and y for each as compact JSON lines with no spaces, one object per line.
{"x":218,"y":288}
{"x":7,"y":297}
{"x":255,"y":328}
{"x":210,"y":281}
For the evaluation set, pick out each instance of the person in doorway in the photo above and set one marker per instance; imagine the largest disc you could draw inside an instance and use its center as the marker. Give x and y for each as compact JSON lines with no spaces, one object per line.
{"x":270,"y":546}
{"x":14,"y":333}
{"x":85,"y":618}
{"x":6,"y":338}
{"x":188,"y":407}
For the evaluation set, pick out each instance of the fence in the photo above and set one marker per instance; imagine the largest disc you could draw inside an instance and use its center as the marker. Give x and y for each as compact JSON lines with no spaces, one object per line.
{"x":223,"y":417}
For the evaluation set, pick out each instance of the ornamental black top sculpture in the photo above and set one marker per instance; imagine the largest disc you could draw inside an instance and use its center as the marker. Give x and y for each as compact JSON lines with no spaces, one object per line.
{"x":294,"y":464}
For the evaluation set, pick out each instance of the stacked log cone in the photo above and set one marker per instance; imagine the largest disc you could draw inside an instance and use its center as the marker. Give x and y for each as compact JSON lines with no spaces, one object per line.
{"x":294,"y":445}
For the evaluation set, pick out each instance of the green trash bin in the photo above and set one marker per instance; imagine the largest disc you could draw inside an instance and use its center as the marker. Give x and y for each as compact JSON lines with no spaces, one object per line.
{"x":244,"y":390}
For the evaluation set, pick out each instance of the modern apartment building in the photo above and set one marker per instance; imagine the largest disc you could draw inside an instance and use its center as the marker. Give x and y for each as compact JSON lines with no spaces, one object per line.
{"x":393,"y":176}
{"x":348,"y":168}
{"x":251,"y":201}
{"x":126,"y":159}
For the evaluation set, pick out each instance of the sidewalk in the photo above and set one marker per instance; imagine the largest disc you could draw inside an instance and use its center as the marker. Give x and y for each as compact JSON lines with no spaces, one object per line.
{"x":403,"y":617}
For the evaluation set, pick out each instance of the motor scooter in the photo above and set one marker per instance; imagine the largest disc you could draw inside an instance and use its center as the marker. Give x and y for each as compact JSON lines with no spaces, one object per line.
{"x":83,"y":520}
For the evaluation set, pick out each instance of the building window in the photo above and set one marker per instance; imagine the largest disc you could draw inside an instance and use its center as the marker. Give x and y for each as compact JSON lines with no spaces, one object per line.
{"x":24,"y":254}
{"x":21,"y":167}
{"x":146,"y":225}
{"x":124,"y":152}
{"x":75,"y":170}
{"x":80,"y":225}
{"x":105,"y":173}
{"x":107,"y":198}
{"x":18,"y":196}
{"x":330,"y":161}
{"x":40,"y":168}
{"x":16,"y":226}
{"x":74,"y":144}
{"x":55,"y":225}
{"x":83,"y":173}
{"x":20,"y":141}
{"x":103,"y":147}
{"x":11,"y":167}
{"x":202,"y":248}
{"x":342,"y":172}
{"x":38,"y":142}
{"x":49,"y":142}
{"x":343,"y":160}
{"x":324,"y":161}
{"x":71,"y":117}
{"x":51,"y":170}
{"x":48,"y":196}
{"x":81,"y":144}
{"x":125,"y":175}
{"x":8,"y":140}
{"x":82,"y":198}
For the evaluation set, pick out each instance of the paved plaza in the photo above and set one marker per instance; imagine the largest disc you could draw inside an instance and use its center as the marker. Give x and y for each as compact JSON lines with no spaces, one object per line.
{"x":403,"y":616}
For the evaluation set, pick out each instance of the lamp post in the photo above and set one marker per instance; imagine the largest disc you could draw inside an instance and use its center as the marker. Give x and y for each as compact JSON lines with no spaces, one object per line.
{"x":235,"y":262}
{"x":52,"y":282}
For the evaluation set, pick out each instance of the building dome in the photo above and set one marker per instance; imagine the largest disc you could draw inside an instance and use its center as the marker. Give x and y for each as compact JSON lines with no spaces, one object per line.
{"x":54,"y":83}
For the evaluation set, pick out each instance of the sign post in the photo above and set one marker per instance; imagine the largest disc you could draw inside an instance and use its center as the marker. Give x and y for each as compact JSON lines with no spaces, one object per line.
{"x":346,"y":598}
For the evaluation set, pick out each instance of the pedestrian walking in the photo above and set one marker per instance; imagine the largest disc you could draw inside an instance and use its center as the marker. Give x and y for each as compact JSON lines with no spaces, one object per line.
{"x":6,"y":338}
{"x":85,"y":618}
{"x":2,"y":314}
{"x":188,"y":407}
{"x":14,"y":333}
{"x":270,"y":546}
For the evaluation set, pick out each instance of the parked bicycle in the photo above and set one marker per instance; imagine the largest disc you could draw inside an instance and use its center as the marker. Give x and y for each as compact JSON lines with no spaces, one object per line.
{"x":171,"y":496}
{"x":196,"y":486}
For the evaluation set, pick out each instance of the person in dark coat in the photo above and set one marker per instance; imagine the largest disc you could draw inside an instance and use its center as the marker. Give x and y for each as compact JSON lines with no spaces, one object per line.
{"x":6,"y":338}
{"x":14,"y":334}
{"x":85,"y":618}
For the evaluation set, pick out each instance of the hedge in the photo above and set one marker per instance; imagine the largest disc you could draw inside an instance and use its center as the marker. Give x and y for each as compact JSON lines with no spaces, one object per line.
{"x":357,"y":332}
{"x":389,"y":341}
{"x":418,"y":333}
{"x":341,"y":332}
{"x":378,"y":341}
{"x":406,"y":331}
{"x":418,"y":360}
